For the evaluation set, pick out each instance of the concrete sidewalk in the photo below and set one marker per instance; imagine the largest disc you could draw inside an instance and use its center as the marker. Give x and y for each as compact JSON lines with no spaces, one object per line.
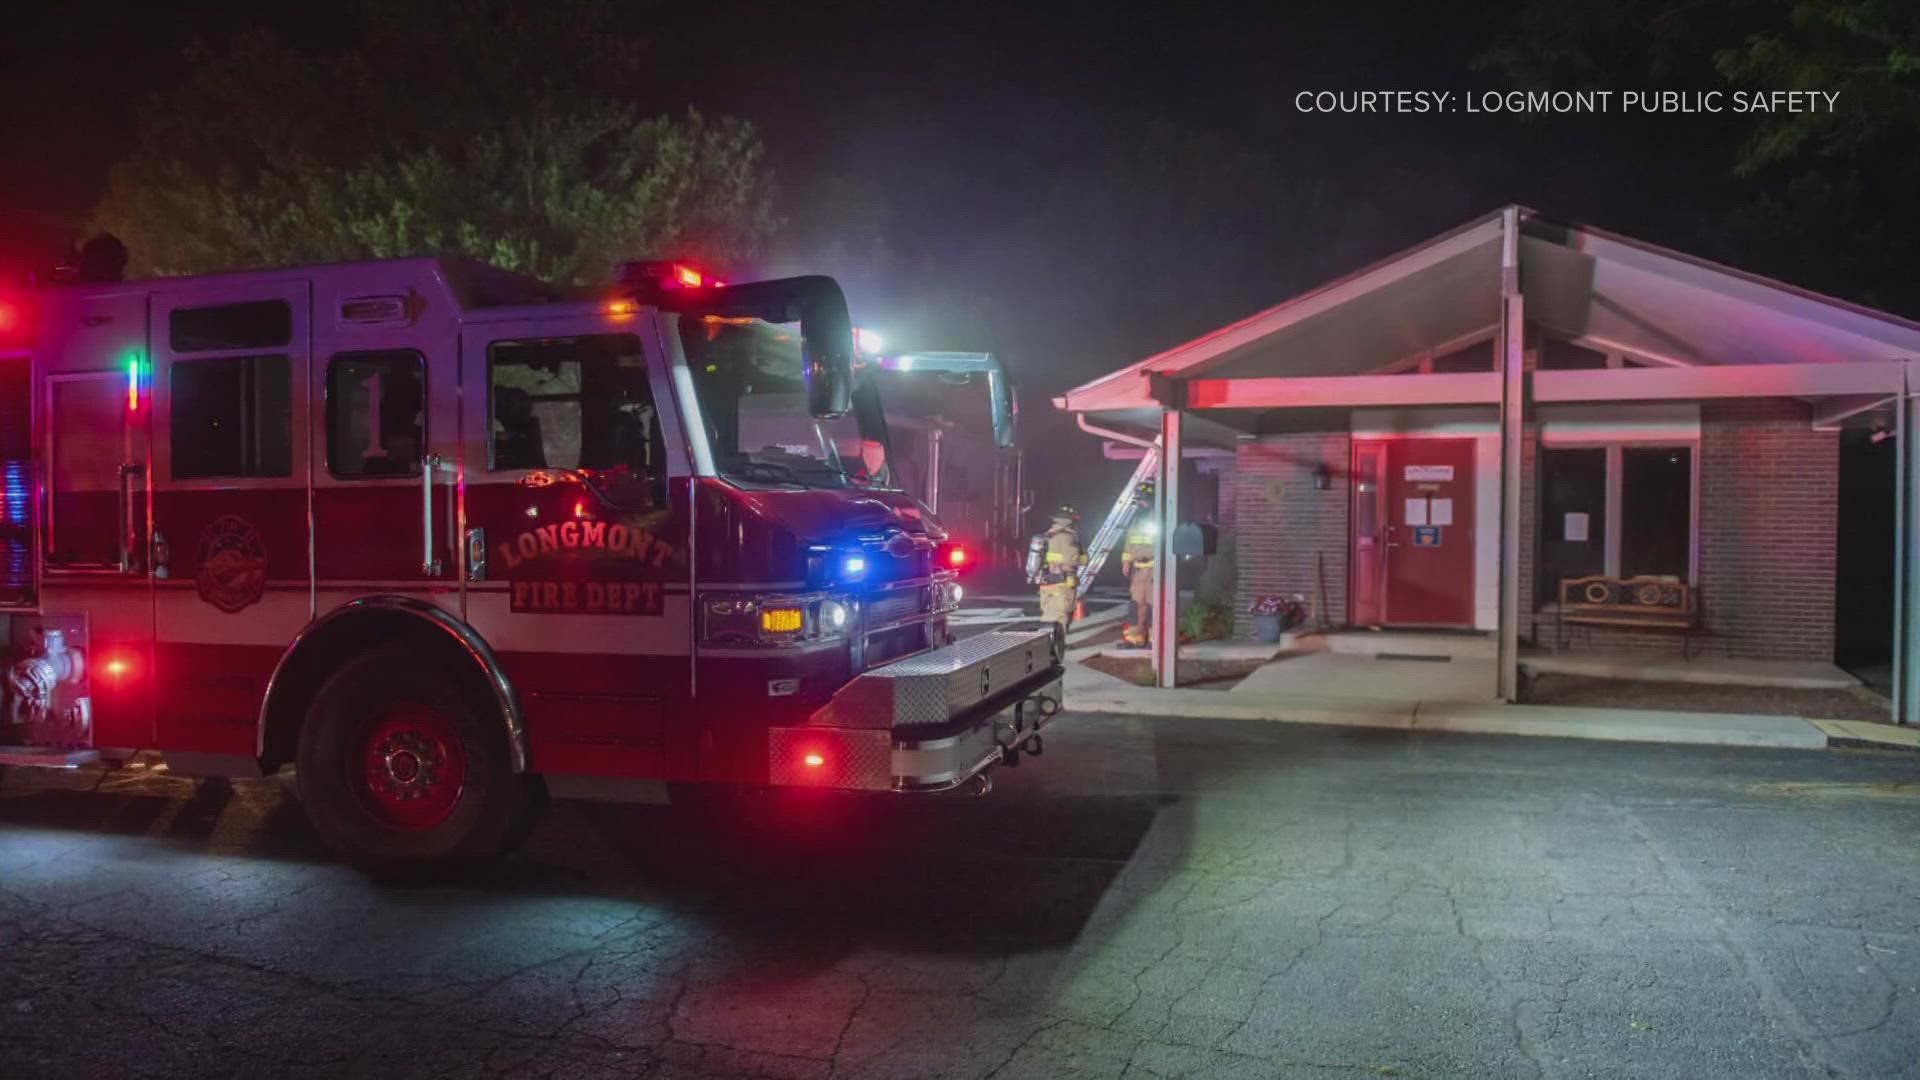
{"x":1088,"y":690}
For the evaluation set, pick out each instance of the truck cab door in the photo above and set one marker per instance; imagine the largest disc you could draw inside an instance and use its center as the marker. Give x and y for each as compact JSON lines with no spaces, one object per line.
{"x":576,"y":507}
{"x":387,"y":466}
{"x":231,"y":573}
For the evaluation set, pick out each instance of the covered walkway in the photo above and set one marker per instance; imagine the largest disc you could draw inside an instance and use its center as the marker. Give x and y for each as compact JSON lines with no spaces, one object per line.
{"x":1594,"y":412}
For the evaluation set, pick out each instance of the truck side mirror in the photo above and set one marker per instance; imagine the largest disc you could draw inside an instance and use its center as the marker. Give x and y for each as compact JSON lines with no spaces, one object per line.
{"x":826,"y":347}
{"x":827,"y":371}
{"x":1006,"y":410}
{"x":959,"y":368}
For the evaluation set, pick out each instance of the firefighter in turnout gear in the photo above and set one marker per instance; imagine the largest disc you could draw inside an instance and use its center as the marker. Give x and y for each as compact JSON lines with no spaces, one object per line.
{"x":1136,"y":562}
{"x":1061,"y":562}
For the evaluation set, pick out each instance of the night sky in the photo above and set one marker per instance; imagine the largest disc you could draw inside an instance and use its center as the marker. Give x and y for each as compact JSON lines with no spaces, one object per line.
{"x":1074,"y":187}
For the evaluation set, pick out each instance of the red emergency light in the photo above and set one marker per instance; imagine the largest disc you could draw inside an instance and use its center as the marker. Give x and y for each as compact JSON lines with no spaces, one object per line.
{"x":957,"y":556}
{"x":16,"y":320}
{"x":118,"y":668}
{"x":668,"y":275}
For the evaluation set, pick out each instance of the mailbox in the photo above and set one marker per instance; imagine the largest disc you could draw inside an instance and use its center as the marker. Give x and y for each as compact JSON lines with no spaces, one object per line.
{"x":1195,"y":539}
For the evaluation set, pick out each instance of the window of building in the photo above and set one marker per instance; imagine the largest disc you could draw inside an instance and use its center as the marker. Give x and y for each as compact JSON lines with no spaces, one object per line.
{"x":575,"y":403}
{"x":1656,"y":510}
{"x":1620,"y":510}
{"x":254,"y":324}
{"x":376,"y":413}
{"x":1573,"y":516}
{"x":231,"y":417}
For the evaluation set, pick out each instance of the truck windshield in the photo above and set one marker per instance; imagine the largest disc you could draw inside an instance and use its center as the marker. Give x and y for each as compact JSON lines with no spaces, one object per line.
{"x":747,"y":375}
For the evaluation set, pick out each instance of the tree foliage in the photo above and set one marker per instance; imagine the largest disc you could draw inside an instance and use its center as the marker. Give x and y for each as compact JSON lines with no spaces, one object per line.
{"x":1827,"y":196}
{"x":1866,"y":50}
{"x":507,"y":133}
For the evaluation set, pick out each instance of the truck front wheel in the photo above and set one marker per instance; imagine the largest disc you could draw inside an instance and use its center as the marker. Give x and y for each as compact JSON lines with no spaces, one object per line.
{"x":402,"y":770}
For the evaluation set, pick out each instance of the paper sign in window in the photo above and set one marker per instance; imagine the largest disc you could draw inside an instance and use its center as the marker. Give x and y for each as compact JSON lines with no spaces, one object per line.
{"x":1416,"y":511}
{"x":1441,"y":513}
{"x":1574,"y":528}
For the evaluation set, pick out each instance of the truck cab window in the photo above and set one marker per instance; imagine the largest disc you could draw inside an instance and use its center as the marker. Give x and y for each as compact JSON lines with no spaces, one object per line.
{"x":252,"y":324}
{"x":575,"y":403}
{"x":231,"y":417}
{"x":747,"y":376}
{"x":376,"y":413}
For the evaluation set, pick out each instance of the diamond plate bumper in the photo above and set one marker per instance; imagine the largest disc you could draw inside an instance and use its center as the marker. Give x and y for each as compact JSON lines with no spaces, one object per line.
{"x":937,"y":687}
{"x":929,"y":722}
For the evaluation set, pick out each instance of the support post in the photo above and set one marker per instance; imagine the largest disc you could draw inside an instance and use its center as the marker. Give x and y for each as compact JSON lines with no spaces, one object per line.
{"x":1906,"y":644}
{"x":1512,"y":412}
{"x":1166,"y":576}
{"x":934,"y":464}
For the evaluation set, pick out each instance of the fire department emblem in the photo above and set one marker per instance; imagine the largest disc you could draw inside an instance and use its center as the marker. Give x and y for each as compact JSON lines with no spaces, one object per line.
{"x":233,"y":563}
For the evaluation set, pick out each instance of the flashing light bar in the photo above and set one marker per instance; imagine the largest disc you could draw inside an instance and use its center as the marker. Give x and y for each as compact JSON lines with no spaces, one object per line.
{"x":668,"y":275}
{"x":136,"y":371}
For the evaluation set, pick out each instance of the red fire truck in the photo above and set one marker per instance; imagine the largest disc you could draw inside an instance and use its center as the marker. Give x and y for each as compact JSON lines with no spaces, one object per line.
{"x":448,"y":540}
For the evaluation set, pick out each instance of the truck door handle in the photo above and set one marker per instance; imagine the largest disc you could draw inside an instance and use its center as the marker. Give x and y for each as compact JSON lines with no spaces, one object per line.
{"x":476,"y":554}
{"x":127,"y":538}
{"x":429,"y":565}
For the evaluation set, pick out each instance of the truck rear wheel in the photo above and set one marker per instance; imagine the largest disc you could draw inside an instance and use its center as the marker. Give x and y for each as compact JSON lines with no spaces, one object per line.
{"x":403,"y":770}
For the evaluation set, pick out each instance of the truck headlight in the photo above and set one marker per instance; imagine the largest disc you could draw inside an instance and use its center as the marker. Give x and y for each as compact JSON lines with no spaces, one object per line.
{"x":833,"y":615}
{"x":946,"y":593}
{"x":743,"y":620}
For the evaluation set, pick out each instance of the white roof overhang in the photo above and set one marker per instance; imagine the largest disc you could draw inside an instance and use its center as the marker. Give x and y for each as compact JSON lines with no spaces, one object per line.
{"x":1594,"y":288}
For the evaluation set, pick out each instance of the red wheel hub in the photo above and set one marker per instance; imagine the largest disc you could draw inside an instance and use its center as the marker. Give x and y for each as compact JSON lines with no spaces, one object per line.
{"x":412,"y":767}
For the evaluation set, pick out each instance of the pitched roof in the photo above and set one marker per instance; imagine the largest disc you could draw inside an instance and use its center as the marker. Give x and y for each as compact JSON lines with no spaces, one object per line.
{"x":1581,"y":283}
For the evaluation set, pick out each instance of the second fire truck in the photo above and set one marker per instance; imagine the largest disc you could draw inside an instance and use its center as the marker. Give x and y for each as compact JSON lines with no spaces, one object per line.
{"x":447,"y":540}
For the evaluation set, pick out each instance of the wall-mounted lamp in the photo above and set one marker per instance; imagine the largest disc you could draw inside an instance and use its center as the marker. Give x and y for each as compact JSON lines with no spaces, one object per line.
{"x":1322,"y":479}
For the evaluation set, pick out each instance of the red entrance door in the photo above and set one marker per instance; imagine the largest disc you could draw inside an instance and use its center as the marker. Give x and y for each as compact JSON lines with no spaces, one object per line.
{"x":1412,"y":532}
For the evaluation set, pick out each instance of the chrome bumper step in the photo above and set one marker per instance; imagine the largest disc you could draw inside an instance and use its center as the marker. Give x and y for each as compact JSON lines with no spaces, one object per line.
{"x":930,"y":722}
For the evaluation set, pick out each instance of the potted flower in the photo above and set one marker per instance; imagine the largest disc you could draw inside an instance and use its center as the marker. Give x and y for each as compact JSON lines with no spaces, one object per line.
{"x":1269,"y":613}
{"x":1273,"y":613}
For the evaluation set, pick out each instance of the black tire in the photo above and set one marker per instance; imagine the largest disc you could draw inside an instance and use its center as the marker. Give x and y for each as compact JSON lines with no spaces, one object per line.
{"x":493,"y":809}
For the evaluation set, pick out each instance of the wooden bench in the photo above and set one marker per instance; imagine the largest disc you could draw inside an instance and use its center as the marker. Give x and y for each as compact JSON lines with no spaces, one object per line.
{"x":1636,"y":603}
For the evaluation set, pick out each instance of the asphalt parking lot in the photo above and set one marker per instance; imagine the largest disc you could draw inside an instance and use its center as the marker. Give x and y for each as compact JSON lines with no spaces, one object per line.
{"x":1154,"y":898}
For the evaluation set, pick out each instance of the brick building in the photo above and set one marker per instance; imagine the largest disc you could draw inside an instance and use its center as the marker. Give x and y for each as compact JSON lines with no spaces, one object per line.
{"x":1549,"y":434}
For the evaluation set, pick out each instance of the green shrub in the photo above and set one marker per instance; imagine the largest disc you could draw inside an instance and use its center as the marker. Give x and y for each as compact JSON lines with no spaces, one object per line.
{"x":1206,"y":621}
{"x":1217,"y":581}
